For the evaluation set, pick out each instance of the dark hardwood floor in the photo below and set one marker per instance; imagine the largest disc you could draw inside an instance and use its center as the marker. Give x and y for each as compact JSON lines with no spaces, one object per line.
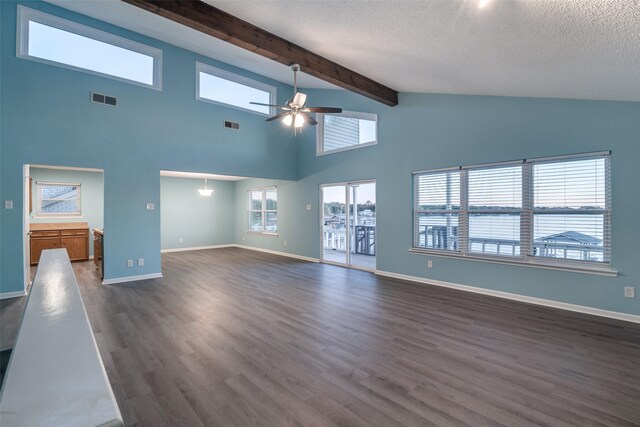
{"x":234,"y":337}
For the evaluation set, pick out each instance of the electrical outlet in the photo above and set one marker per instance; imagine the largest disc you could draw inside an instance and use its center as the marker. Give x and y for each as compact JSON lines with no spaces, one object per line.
{"x":429,"y":263}
{"x":129,"y":263}
{"x":180,"y":240}
{"x":8,"y":204}
{"x":140,"y":262}
{"x":308,"y":207}
{"x":629,"y":292}
{"x":284,"y":243}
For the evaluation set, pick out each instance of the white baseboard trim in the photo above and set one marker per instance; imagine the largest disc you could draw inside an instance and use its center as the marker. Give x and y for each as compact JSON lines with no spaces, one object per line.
{"x":269,"y":251}
{"x":7,"y":295}
{"x":132,"y":278}
{"x":515,"y":297}
{"x":197,"y":248}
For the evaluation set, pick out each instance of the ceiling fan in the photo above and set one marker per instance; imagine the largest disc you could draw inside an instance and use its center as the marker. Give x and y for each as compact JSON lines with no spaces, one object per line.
{"x":295,"y":112}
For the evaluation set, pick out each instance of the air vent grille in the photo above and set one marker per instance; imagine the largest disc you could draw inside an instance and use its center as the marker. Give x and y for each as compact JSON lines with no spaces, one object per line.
{"x":104,"y":99}
{"x":231,"y":125}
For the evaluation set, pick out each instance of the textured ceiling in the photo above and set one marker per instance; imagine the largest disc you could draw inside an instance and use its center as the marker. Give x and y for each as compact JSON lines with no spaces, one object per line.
{"x":195,"y":175}
{"x":585,"y":49}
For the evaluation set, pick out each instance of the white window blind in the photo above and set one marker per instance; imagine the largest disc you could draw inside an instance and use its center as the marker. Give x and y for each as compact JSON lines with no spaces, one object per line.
{"x":58,"y":199}
{"x":571,"y":214}
{"x":437,"y":210}
{"x":263,"y":210}
{"x":557,"y":209}
{"x":495,"y":206}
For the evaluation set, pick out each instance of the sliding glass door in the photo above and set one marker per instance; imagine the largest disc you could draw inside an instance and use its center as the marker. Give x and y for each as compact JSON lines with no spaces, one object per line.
{"x":348,"y":225}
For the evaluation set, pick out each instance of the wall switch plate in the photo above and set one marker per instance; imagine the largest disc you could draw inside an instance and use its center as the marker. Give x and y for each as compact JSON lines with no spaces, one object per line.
{"x":429,"y":263}
{"x":629,"y":292}
{"x":140,"y":262}
{"x":284,"y":243}
{"x":150,"y":206}
{"x":8,"y":204}
{"x":129,"y":263}
{"x":308,"y":207}
{"x":180,"y":240}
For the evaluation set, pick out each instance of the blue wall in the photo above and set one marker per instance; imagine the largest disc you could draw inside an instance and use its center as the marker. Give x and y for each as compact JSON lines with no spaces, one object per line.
{"x":292,"y":217}
{"x":433,"y":131}
{"x":48,"y":119}
{"x":91,"y":195}
{"x":195,"y":219}
{"x":153,"y":130}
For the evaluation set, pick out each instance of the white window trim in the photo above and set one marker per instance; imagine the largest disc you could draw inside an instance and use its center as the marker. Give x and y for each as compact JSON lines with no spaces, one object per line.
{"x":26,"y":14}
{"x":600,"y":268}
{"x":348,"y":114}
{"x":263,"y":190}
{"x":62,"y":215}
{"x":236,"y":78}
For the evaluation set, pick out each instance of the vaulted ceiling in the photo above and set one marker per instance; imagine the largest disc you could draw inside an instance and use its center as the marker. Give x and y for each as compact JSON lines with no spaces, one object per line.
{"x":584,"y":49}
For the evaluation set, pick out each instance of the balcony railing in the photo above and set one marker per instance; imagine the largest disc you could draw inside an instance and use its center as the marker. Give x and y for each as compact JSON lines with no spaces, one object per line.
{"x":362,"y":239}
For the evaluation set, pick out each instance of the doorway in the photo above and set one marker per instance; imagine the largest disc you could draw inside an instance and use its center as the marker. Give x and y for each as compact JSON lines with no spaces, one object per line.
{"x":63,"y":208}
{"x":348,"y":224}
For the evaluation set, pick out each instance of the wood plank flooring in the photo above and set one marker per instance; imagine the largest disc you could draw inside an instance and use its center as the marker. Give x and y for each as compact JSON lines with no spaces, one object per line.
{"x":232,"y":337}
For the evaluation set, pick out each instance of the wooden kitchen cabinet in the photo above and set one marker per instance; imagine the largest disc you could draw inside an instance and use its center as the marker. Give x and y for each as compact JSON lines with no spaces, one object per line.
{"x":73,"y":236}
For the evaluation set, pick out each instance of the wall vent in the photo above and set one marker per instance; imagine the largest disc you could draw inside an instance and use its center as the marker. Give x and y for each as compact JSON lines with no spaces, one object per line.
{"x":231,"y":125}
{"x":104,"y":99}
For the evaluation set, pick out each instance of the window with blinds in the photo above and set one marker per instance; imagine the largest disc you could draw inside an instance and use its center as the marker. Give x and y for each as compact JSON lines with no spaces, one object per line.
{"x":263,"y":210}
{"x":554,"y":210}
{"x":58,"y":199}
{"x":346,"y":130}
{"x":437,"y":209}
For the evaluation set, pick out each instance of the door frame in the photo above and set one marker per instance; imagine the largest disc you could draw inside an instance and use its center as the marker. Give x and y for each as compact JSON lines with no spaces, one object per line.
{"x":347,"y":185}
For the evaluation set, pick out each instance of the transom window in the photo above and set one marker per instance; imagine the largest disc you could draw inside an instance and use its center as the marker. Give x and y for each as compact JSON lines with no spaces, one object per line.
{"x":345,"y":131}
{"x":555,"y":210}
{"x":58,"y":199}
{"x":263,"y":210}
{"x":223,"y":87}
{"x":52,"y":40}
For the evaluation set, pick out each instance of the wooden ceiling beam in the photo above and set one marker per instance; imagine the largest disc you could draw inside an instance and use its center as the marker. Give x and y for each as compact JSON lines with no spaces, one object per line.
{"x":219,"y":24}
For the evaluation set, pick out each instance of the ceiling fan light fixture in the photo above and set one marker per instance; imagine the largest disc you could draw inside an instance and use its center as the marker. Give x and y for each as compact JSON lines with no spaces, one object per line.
{"x":298,"y":121}
{"x":205,"y":191}
{"x":287,"y":120}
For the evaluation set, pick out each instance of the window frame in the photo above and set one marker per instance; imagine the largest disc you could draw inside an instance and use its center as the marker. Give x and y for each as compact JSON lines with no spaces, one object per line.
{"x":201,"y":67}
{"x":263,"y":211}
{"x":348,"y":114}
{"x":527,"y":212}
{"x":48,"y":215}
{"x":26,"y":14}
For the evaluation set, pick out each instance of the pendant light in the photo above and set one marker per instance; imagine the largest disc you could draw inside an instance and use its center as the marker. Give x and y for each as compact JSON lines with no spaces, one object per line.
{"x":205,"y":191}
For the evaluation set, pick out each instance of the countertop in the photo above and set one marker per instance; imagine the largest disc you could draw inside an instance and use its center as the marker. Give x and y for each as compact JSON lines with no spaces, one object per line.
{"x":50,"y":226}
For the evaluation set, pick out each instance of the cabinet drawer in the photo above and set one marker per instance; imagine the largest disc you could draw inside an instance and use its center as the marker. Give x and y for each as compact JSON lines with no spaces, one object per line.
{"x":74,"y":232}
{"x":45,"y":233}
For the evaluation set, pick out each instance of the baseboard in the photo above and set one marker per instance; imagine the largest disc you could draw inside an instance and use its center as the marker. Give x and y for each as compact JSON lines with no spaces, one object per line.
{"x":6,"y":295}
{"x":197,"y":248}
{"x":515,"y":297}
{"x":131,"y":278}
{"x":269,"y":251}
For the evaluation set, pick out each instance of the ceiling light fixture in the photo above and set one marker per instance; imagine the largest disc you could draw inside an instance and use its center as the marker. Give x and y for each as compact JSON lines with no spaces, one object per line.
{"x":205,"y":191}
{"x":483,"y":3}
{"x":296,"y":113}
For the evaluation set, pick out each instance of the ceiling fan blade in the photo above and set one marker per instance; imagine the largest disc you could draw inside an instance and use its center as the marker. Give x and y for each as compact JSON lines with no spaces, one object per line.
{"x":299,"y":99}
{"x":266,"y":105}
{"x":278,"y":116}
{"x":323,"y":110}
{"x":308,"y":119}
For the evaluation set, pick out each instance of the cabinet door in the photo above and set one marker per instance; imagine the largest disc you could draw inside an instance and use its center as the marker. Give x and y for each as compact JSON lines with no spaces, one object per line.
{"x":77,"y":247}
{"x":38,"y":244}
